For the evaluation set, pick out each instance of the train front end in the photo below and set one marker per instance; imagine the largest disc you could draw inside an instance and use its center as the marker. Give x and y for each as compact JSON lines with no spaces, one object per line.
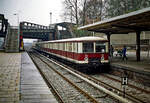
{"x":95,"y":54}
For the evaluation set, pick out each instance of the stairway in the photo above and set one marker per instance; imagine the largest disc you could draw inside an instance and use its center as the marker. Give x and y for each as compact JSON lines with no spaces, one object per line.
{"x":12,"y":40}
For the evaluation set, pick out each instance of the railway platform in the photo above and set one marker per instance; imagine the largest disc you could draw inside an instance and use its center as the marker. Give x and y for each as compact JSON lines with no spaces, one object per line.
{"x":131,"y":64}
{"x":10,"y":64}
{"x":21,"y":82}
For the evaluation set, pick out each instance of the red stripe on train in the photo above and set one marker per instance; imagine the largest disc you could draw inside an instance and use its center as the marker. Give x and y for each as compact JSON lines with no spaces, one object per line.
{"x":77,"y":56}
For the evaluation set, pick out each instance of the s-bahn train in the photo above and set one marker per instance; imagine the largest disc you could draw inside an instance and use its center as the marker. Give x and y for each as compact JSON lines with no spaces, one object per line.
{"x":83,"y":51}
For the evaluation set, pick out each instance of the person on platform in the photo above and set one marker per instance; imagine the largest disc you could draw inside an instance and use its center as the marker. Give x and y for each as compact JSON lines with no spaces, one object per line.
{"x":124,"y":53}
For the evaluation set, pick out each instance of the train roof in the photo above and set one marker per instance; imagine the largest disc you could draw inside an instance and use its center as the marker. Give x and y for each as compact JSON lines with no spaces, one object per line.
{"x":80,"y":39}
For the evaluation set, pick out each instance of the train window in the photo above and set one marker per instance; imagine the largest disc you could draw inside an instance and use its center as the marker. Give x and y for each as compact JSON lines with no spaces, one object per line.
{"x":100,"y":47}
{"x":74,"y":47}
{"x":63,"y":46}
{"x":50,"y":45}
{"x":59,"y":46}
{"x":88,"y":47}
{"x":46,"y":45}
{"x":70,"y":47}
{"x":54,"y":45}
{"x":66,"y":46}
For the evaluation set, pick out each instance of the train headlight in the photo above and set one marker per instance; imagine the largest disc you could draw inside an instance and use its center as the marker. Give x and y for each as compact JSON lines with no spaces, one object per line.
{"x":86,"y":58}
{"x":102,"y":57}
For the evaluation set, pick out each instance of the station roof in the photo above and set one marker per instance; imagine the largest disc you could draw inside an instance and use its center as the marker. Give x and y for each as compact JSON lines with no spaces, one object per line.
{"x":131,"y":22}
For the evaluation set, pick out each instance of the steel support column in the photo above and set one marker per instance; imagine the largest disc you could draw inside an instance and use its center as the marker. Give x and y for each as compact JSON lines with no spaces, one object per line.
{"x":108,"y":37}
{"x":138,"y":49}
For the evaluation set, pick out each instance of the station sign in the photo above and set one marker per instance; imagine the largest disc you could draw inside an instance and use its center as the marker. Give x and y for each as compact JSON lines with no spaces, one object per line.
{"x":124,"y":81}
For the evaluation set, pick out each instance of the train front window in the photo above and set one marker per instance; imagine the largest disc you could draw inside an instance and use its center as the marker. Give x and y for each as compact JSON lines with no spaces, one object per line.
{"x":88,"y":47}
{"x":100,"y":47}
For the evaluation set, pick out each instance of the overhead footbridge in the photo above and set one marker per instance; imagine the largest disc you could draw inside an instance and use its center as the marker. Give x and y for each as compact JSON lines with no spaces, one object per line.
{"x":36,"y":31}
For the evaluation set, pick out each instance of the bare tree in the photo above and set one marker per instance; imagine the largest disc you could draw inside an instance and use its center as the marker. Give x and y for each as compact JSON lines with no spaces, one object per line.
{"x":71,"y":10}
{"x":94,"y":10}
{"x":82,"y":12}
{"x":119,"y":7}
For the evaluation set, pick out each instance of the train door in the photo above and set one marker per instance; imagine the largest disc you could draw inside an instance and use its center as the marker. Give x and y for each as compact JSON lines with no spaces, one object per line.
{"x":74,"y":50}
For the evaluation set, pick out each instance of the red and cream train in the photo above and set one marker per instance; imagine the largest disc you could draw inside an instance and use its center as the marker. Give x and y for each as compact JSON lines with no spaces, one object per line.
{"x":83,"y":51}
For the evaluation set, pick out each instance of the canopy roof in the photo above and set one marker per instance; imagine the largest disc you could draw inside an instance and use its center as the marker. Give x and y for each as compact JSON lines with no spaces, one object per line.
{"x":131,"y":22}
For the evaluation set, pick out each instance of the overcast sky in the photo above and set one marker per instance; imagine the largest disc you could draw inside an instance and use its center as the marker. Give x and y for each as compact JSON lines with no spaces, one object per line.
{"x":36,"y":11}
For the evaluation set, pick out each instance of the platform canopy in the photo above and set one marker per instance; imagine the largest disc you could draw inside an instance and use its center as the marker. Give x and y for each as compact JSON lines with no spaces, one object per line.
{"x":136,"y":21}
{"x":131,"y":22}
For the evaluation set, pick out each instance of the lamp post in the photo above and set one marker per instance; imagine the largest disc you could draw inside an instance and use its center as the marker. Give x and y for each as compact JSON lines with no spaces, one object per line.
{"x":50,"y":18}
{"x":17,"y":14}
{"x":17,"y":18}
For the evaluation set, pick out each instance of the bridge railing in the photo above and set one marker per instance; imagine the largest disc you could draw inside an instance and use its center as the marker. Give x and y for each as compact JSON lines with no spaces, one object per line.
{"x":32,"y":26}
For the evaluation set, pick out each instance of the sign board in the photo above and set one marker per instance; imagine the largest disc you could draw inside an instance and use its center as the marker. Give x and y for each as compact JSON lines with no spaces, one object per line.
{"x":124,"y":81}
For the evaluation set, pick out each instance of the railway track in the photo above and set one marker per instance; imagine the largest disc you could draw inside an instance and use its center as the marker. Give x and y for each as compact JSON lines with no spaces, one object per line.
{"x":72,"y":87}
{"x":132,"y":84}
{"x":109,"y":84}
{"x":67,"y":90}
{"x":133,"y":92}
